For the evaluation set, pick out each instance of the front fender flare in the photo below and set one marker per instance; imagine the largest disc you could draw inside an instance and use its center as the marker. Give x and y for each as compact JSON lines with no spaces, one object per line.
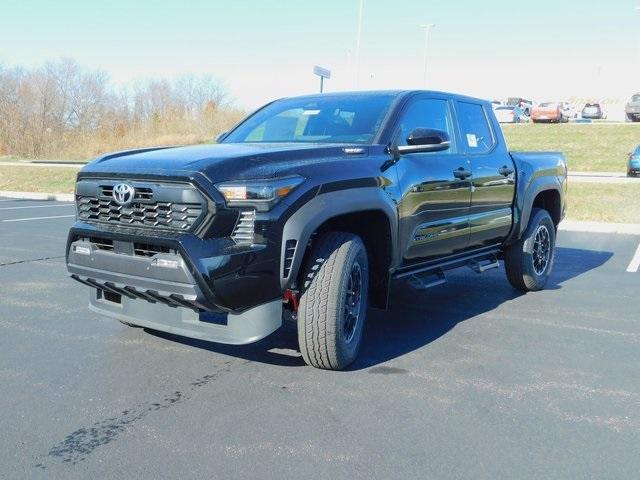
{"x":306,"y":220}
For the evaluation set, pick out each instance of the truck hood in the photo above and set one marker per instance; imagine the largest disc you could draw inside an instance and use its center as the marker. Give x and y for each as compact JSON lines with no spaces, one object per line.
{"x":222,"y":162}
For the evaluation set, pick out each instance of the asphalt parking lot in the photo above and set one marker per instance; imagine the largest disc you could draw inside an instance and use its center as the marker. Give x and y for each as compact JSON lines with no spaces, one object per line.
{"x":466,"y":380}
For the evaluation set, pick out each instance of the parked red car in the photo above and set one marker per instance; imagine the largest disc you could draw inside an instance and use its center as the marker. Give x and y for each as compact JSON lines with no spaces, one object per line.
{"x":548,"y":112}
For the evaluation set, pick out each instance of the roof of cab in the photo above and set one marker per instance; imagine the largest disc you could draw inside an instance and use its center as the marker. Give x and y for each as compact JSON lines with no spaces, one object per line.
{"x":395,"y":93}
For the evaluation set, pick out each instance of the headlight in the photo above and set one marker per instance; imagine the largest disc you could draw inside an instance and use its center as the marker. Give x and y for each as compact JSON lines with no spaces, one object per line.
{"x":261,"y":194}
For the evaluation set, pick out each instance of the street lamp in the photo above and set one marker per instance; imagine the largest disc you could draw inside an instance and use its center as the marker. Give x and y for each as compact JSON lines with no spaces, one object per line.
{"x":357,"y":59}
{"x":427,"y":29}
{"x":638,"y":12}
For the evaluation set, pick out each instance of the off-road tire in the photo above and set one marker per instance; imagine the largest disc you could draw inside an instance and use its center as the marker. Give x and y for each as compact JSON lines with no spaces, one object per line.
{"x":323,"y":323}
{"x":522,"y":271}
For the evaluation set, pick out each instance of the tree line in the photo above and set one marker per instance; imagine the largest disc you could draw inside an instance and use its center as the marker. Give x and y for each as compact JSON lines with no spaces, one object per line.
{"x":64,"y":110}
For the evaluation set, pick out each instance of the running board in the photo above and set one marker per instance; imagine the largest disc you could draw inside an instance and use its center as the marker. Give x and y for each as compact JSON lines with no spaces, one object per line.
{"x":489,"y":255}
{"x":481,"y":266}
{"x":427,"y":280}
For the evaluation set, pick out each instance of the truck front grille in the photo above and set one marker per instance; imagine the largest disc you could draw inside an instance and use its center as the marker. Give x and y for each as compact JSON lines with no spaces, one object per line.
{"x":177,"y":207}
{"x":174,"y":216}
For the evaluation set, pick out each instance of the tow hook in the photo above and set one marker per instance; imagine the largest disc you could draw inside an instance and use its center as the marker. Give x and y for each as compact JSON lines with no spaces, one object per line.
{"x":291,"y":298}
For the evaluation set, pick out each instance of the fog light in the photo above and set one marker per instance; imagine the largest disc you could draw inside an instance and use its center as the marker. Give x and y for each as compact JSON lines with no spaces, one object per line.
{"x":164,"y":263}
{"x":81,"y":250}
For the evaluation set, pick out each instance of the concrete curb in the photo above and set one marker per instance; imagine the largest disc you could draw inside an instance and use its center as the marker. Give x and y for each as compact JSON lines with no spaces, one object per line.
{"x":600,"y":227}
{"x":77,"y":166}
{"x":597,"y":174}
{"x":58,"y":197}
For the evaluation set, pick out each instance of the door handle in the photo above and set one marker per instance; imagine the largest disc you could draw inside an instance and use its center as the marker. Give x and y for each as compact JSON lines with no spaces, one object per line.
{"x":461,"y":173}
{"x":505,"y":171}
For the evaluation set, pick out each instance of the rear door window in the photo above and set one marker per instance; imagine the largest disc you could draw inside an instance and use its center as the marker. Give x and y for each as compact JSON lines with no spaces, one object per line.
{"x":474,"y":128}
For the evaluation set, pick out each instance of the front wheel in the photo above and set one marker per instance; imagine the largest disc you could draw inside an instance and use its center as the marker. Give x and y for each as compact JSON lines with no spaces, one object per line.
{"x":333,"y":305}
{"x":529,"y":261}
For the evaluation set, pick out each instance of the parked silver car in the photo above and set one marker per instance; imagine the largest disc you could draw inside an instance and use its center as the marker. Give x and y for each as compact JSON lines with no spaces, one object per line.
{"x":632,"y":108}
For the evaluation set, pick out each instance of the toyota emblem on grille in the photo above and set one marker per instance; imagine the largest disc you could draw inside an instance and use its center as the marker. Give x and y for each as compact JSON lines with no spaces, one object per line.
{"x":123,"y":193}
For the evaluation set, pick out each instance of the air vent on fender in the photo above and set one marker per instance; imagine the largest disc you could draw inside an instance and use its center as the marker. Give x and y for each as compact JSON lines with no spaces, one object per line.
{"x":289,"y":251}
{"x":243,"y":234}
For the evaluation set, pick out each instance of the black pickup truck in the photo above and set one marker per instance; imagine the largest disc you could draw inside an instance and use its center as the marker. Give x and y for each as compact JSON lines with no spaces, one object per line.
{"x":306,"y":211}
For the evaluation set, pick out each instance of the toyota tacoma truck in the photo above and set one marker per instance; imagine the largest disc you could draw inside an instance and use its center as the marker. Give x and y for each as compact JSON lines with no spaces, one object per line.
{"x":307,"y":211}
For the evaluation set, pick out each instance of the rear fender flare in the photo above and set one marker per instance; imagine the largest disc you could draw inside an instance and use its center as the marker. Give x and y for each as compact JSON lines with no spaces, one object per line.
{"x":539,"y":185}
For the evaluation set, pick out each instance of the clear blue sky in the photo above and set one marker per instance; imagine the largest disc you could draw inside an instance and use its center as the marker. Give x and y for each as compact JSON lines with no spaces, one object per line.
{"x":266,"y":49}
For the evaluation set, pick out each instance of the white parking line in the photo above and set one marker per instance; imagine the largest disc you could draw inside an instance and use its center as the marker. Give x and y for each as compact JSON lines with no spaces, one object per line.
{"x":37,"y":218}
{"x":38,"y":206}
{"x":635,"y":262}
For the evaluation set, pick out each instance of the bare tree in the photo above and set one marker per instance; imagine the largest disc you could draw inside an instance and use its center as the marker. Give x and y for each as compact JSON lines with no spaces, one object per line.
{"x":64,"y":109}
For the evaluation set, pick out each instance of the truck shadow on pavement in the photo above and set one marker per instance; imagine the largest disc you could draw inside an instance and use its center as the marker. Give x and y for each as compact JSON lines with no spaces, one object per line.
{"x":415,"y":318}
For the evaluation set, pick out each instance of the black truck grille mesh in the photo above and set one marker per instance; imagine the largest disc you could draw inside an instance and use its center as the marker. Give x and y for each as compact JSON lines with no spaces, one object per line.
{"x":173,"y":207}
{"x":174,"y":216}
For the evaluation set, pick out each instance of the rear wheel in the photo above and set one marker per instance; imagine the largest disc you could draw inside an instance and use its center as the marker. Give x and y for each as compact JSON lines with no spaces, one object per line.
{"x":333,"y":305}
{"x":529,"y":261}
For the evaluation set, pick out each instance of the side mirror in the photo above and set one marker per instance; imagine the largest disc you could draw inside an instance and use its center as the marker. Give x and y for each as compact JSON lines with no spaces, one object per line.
{"x":425,"y":140}
{"x":221,"y":136}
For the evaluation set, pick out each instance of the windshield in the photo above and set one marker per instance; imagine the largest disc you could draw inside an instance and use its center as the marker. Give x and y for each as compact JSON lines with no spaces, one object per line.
{"x":511,"y":109}
{"x":321,"y":119}
{"x":549,"y":105}
{"x":635,"y":98}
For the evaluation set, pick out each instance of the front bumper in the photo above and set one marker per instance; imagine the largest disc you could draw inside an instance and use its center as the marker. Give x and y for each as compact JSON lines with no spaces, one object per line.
{"x":233,"y":329}
{"x":161,"y":278}
{"x":228,"y":277}
{"x":160,"y":292}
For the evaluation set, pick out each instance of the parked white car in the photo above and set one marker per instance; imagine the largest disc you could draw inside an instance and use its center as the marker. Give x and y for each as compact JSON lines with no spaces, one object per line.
{"x":568,"y":110}
{"x":510,"y":114}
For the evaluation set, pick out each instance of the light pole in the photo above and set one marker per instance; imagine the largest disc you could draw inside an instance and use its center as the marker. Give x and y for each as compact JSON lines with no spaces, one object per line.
{"x":357,"y":59}
{"x":427,"y":30}
{"x":638,"y":41}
